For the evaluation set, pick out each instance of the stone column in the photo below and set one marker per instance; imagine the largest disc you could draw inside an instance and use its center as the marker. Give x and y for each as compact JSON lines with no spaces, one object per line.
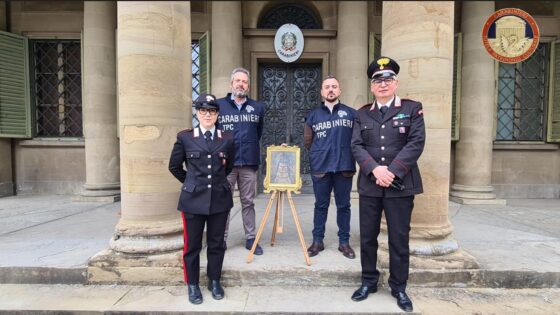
{"x":154,"y":79}
{"x":419,"y":36}
{"x":227,"y":44}
{"x":352,"y":52}
{"x":100,"y":102}
{"x":473,"y":152}
{"x":6,"y":181}
{"x":352,"y":57}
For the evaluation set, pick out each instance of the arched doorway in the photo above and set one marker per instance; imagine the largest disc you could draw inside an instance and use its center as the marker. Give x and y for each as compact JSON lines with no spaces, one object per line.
{"x":288,"y":90}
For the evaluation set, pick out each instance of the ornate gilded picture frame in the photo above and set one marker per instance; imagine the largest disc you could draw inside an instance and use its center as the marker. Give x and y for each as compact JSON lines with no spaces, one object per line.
{"x":282,"y":169}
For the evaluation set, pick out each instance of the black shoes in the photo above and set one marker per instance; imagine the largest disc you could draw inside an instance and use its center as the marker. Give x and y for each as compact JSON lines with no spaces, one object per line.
{"x":347,"y":251}
{"x":315,"y":248}
{"x":403,"y":301}
{"x":216,"y":289}
{"x":195,"y":296}
{"x":249,"y":245}
{"x":363,"y":292}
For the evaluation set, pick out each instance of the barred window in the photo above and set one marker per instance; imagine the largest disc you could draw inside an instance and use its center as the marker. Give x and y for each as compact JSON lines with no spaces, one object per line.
{"x":522,"y":98}
{"x":195,"y":55}
{"x":57,"y":87}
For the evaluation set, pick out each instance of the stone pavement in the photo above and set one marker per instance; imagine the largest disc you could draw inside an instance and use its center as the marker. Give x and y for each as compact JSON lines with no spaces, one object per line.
{"x":107,"y":299}
{"x":49,"y":240}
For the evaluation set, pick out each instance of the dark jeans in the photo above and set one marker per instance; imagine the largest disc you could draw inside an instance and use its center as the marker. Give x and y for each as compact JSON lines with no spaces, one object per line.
{"x":322,"y":187}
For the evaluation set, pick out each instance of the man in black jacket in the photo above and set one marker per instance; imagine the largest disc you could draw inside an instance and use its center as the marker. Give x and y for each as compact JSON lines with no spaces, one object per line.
{"x":206,"y":196}
{"x":388,"y":138}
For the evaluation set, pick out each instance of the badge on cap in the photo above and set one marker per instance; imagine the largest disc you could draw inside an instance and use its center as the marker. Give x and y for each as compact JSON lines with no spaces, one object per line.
{"x":209,"y":98}
{"x":382,"y":62}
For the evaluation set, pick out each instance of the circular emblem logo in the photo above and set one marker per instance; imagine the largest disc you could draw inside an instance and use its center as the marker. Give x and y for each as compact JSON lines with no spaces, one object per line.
{"x":510,"y":35}
{"x":288,"y":43}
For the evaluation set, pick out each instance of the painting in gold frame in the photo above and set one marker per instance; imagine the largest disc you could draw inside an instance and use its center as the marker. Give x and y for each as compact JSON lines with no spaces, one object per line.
{"x":282,"y":169}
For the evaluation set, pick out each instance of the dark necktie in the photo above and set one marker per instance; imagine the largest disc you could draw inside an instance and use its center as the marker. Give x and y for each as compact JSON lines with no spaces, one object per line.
{"x":208,"y":136}
{"x":384,"y":110}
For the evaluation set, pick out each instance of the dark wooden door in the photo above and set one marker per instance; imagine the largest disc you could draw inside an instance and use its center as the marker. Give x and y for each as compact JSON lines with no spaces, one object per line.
{"x":289,"y":92}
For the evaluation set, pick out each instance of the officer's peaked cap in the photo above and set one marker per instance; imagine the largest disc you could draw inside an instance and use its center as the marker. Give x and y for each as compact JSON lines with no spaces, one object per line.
{"x":383,"y":67}
{"x":207,"y":101}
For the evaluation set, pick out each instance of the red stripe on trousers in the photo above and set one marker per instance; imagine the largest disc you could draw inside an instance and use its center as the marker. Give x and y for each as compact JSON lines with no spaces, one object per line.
{"x":185,"y":246}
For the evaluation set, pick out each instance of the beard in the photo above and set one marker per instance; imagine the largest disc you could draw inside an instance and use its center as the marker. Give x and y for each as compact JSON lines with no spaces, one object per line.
{"x":331,"y":98}
{"x":239,"y":93}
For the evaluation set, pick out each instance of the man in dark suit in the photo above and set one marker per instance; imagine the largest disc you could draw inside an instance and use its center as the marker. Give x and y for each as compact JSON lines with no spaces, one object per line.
{"x":206,"y":196}
{"x":387,"y":140}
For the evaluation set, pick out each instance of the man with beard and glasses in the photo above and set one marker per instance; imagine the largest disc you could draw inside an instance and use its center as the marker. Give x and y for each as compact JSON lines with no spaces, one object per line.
{"x":327,"y":135}
{"x":243,"y":117}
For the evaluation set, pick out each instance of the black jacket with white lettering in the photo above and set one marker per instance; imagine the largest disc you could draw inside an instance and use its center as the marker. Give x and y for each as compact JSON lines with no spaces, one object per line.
{"x":246,"y":125}
{"x":328,"y":136}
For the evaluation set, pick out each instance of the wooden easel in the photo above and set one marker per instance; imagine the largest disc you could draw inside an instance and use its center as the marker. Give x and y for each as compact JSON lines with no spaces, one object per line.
{"x":279,"y":196}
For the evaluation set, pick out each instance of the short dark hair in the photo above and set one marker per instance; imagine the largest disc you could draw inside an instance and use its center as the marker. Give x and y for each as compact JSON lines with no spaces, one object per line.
{"x":330,"y":76}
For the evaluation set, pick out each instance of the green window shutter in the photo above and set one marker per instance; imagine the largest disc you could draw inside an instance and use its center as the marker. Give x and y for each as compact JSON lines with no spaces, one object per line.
{"x":456,"y":97}
{"x":374,"y":51}
{"x":554,"y":100}
{"x":15,"y":113}
{"x":205,"y":63}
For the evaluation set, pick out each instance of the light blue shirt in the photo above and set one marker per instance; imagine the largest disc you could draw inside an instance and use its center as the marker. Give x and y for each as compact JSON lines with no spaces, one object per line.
{"x":238,"y":104}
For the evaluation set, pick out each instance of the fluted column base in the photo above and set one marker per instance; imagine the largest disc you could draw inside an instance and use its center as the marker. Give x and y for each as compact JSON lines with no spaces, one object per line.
{"x":474,"y":195}
{"x":141,"y":252}
{"x":111,"y":267}
{"x":148,"y":236}
{"x":443,"y":253}
{"x":99,"y":193}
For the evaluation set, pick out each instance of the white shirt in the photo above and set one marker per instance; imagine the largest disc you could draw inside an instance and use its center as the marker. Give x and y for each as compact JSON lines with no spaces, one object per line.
{"x":211,"y":130}
{"x":386,"y":104}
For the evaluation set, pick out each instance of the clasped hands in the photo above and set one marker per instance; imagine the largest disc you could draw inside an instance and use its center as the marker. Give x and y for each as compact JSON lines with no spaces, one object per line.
{"x":383,"y":177}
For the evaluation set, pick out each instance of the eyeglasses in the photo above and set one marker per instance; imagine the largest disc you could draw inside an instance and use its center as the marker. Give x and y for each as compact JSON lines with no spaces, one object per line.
{"x":206,"y":111}
{"x":387,"y":81}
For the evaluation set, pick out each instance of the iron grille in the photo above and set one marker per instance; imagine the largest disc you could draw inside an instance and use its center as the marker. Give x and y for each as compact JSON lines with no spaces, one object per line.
{"x":522,"y":98}
{"x":293,"y":13}
{"x":195,"y":55}
{"x":57,"y":87}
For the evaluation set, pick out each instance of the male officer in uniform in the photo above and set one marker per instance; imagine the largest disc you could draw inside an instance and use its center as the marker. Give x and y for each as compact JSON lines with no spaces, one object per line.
{"x":243,"y":117}
{"x":206,"y":196}
{"x":327,"y":133}
{"x":387,"y":141}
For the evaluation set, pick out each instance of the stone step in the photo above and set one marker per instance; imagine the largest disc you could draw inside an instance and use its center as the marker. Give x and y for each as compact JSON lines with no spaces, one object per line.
{"x":287,"y":268}
{"x":103,"y":299}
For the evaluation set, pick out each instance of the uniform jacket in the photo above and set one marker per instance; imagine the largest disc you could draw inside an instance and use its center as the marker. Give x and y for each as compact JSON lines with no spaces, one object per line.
{"x":327,"y":136}
{"x":205,"y":188}
{"x":396,"y":141}
{"x":246,"y":125}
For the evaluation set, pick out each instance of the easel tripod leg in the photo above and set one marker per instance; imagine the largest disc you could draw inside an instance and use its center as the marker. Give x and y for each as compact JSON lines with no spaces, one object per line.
{"x":298,"y":226}
{"x":275,"y":227}
{"x":261,"y":227}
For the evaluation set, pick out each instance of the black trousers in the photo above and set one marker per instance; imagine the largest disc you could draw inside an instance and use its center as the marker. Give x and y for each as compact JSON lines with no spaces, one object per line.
{"x":398,"y":212}
{"x":193,"y":229}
